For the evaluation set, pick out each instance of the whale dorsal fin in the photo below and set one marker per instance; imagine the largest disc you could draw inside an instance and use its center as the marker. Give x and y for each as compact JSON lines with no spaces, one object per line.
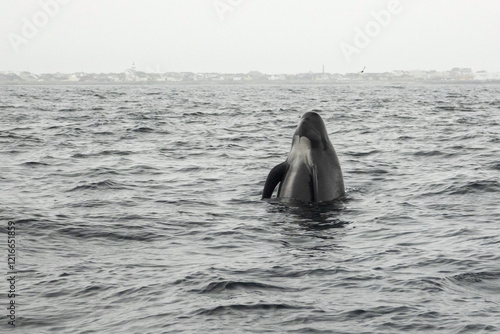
{"x":276,"y":175}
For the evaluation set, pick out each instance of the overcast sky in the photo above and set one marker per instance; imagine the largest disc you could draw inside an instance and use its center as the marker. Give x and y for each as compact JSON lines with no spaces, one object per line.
{"x":271,"y":36}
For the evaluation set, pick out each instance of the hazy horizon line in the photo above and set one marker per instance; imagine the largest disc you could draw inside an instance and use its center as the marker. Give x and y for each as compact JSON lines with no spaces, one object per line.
{"x":150,"y":70}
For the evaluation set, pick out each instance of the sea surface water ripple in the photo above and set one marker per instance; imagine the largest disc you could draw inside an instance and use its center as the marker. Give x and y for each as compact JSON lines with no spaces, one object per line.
{"x":138,"y":210}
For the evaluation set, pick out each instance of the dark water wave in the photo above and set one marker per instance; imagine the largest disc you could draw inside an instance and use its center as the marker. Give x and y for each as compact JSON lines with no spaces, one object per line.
{"x":102,"y":153}
{"x":218,"y":287}
{"x":242,"y":309}
{"x":480,"y":186}
{"x":137,"y":209}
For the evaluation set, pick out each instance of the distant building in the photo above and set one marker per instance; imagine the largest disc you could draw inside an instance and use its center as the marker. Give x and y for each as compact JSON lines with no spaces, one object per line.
{"x":27,"y":76}
{"x":277,"y":77}
{"x":482,"y":75}
{"x":461,"y":74}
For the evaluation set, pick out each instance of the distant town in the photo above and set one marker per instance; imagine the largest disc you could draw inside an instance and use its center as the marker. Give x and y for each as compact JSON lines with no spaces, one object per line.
{"x":131,"y":75}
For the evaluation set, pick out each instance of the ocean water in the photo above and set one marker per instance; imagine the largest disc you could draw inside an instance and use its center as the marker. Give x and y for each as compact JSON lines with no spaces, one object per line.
{"x":137,"y":210}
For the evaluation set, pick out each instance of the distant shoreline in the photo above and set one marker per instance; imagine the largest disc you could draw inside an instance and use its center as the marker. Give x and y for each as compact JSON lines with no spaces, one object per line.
{"x":133,"y":77}
{"x":256,"y":83}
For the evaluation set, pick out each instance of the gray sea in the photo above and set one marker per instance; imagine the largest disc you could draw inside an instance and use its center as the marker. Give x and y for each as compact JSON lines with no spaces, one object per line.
{"x":138,"y":210}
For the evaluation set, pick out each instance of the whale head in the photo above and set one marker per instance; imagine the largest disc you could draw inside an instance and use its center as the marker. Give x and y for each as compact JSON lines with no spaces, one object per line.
{"x":313,"y":128}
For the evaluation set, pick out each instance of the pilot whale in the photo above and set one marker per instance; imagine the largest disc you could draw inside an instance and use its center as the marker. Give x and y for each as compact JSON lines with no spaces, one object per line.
{"x":312,"y":172}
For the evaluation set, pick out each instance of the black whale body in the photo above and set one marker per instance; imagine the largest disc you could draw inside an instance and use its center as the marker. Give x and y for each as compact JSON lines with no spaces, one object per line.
{"x":312,"y":172}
